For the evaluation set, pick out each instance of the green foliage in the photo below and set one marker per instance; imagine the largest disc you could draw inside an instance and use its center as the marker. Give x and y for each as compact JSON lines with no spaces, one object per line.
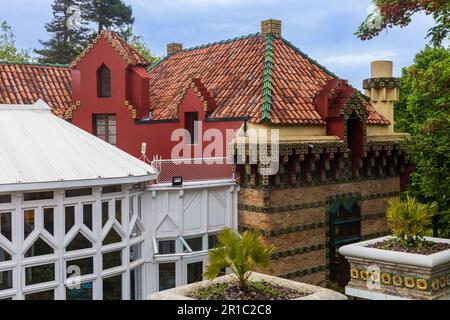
{"x":65,"y":43}
{"x":8,"y":50}
{"x":423,"y":111}
{"x":239,"y":253}
{"x":399,"y":13}
{"x":409,"y":220}
{"x":111,"y":14}
{"x":137,"y":42}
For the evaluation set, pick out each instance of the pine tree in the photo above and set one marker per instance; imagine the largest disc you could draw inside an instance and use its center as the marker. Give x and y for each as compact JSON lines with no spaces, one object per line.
{"x":68,"y":33}
{"x":110,"y":14}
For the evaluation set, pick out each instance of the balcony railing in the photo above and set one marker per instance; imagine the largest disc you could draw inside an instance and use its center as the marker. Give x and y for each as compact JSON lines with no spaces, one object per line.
{"x":195,"y":169}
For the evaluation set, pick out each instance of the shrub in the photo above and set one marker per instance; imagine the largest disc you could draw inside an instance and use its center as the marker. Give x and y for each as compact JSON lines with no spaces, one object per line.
{"x":239,"y":253}
{"x":409,"y":220}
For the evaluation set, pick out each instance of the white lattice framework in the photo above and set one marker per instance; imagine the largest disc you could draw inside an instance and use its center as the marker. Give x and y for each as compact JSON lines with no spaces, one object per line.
{"x":193,"y":169}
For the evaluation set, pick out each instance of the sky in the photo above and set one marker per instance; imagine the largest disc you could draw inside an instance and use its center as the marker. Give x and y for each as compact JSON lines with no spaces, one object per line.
{"x":323,"y":29}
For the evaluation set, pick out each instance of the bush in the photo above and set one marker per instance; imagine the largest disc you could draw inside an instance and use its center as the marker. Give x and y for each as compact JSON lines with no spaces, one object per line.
{"x":409,"y":220}
{"x":239,"y":253}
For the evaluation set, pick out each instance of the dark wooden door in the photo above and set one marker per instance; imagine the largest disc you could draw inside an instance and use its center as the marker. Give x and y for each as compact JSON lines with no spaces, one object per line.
{"x":345,"y":228}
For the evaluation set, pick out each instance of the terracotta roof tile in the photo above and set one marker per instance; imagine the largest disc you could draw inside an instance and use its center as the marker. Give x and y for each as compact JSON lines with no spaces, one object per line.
{"x":26,"y":83}
{"x":235,"y":71}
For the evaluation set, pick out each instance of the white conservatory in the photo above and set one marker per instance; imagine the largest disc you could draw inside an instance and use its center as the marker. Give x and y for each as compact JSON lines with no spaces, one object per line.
{"x":83,"y":220}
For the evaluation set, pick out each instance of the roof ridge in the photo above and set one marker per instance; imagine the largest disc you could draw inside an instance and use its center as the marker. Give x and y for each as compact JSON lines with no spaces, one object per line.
{"x":292,"y":46}
{"x":210,"y":44}
{"x":267,"y":79}
{"x":207,"y":45}
{"x":36,"y":64}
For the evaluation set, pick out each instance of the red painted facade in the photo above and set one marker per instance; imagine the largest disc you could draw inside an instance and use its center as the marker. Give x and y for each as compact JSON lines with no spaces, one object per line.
{"x":130,"y":91}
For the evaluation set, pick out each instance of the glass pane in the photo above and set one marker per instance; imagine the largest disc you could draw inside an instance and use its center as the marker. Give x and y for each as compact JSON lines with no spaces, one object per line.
{"x":105,"y":213}
{"x":49,"y":220}
{"x":87,"y":215}
{"x":6,"y":280}
{"x":112,"y":237}
{"x":194,"y":272}
{"x":166,"y":247}
{"x":6,"y":224}
{"x":39,"y":274}
{"x":111,"y":130}
{"x":212,"y":241}
{"x":39,"y":248}
{"x":111,"y":120}
{"x":112,"y":139}
{"x":112,"y":288}
{"x":42,"y":295}
{"x":78,"y":192}
{"x":69,"y":217}
{"x":112,"y":259}
{"x":166,"y":276}
{"x":78,"y":243}
{"x":5,"y":198}
{"x":84,"y":292}
{"x":196,"y":244}
{"x":118,"y":208}
{"x":100,"y":120}
{"x":136,"y":232}
{"x":28,"y":222}
{"x":136,"y":284}
{"x":140,"y":207}
{"x":101,"y":130}
{"x":131,"y":205}
{"x":135,"y":252}
{"x":4,"y":255}
{"x":32,"y":196}
{"x":112,"y":189}
{"x":80,"y":267}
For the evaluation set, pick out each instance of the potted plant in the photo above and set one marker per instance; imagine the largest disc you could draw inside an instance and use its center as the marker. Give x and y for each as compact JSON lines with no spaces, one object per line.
{"x":406,"y":265}
{"x":242,"y":254}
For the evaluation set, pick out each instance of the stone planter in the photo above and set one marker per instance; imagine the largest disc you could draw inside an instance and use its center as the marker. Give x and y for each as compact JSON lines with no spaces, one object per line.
{"x":317,"y":293}
{"x":390,"y":275}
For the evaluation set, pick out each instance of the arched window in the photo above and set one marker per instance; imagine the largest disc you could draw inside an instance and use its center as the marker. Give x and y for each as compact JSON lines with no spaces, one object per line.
{"x":104,"y":82}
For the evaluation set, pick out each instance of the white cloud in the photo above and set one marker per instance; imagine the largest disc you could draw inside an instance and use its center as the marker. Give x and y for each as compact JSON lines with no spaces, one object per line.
{"x":358,"y":59}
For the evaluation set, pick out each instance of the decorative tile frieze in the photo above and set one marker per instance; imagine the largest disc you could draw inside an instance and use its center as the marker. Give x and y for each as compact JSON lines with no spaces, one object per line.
{"x":281,"y":231}
{"x":384,"y":82}
{"x":304,"y":272}
{"x":297,"y":251}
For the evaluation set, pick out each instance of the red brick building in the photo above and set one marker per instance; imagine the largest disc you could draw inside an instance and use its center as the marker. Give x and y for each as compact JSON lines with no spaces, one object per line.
{"x":340,"y":160}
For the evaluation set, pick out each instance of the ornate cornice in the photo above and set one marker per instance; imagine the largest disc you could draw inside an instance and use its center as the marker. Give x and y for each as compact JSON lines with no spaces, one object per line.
{"x":386,"y":82}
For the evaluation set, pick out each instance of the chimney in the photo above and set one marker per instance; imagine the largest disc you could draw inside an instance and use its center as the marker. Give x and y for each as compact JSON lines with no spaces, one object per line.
{"x":271,"y":27}
{"x":383,"y":90}
{"x":173,"y":48}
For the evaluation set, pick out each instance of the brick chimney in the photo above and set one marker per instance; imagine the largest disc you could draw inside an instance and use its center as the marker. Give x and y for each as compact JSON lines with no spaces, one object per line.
{"x":271,"y":27}
{"x":173,"y":48}
{"x":383,"y":90}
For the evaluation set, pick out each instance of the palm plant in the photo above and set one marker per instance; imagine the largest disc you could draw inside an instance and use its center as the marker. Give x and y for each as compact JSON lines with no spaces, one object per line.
{"x":409,"y":220}
{"x":239,"y":253}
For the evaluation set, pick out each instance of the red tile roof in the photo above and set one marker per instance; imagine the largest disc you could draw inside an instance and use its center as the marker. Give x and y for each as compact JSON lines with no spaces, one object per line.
{"x":27,"y":83}
{"x":262,"y":78}
{"x":235,"y":72}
